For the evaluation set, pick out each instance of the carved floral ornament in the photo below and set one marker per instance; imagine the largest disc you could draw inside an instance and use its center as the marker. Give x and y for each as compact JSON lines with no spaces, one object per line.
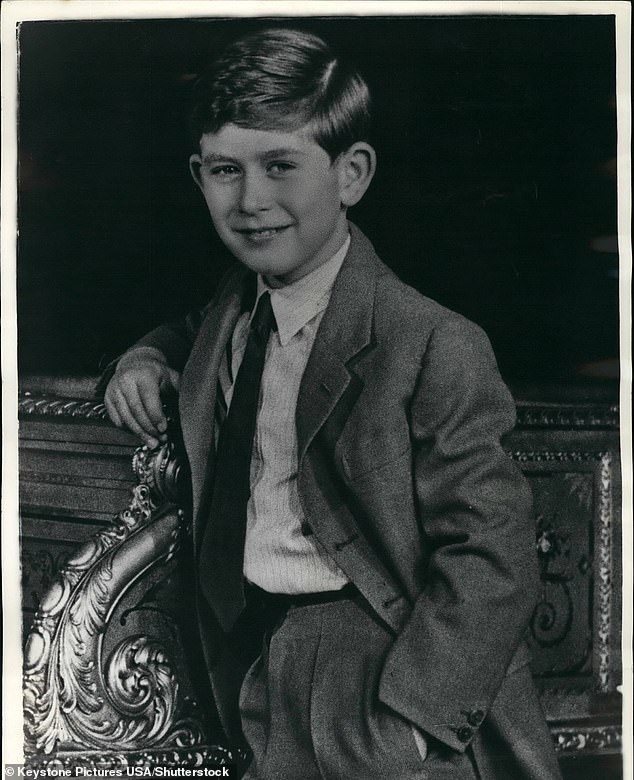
{"x":73,"y":696}
{"x":47,"y":406}
{"x":601,"y":464}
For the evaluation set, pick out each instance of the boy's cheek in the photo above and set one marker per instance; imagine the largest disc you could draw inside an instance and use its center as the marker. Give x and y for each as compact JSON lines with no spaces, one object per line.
{"x":216,"y":198}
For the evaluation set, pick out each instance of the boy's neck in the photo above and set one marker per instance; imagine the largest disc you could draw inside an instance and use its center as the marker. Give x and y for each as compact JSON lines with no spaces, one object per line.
{"x":275,"y":282}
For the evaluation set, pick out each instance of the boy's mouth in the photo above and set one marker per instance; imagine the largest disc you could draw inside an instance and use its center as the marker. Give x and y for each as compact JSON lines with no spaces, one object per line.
{"x":261,"y":234}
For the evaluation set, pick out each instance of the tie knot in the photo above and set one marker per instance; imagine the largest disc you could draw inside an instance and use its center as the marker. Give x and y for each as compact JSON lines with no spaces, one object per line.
{"x":264,"y":319}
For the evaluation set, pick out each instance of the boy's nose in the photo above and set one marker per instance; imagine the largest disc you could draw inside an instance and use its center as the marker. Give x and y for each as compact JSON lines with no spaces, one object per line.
{"x":255,"y":195}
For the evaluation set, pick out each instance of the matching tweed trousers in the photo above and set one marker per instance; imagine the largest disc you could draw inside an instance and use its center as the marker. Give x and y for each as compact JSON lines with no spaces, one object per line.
{"x":310,"y":709}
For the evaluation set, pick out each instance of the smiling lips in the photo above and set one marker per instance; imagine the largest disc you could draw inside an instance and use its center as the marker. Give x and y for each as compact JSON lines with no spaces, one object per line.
{"x":261,"y":234}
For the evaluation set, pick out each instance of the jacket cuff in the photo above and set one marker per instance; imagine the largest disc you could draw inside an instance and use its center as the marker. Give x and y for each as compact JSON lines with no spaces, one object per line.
{"x":108,"y":372}
{"x":457,"y":733}
{"x":453,"y":724}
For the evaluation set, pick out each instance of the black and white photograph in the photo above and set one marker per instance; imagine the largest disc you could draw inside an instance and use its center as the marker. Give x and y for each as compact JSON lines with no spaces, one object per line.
{"x":316,"y":390}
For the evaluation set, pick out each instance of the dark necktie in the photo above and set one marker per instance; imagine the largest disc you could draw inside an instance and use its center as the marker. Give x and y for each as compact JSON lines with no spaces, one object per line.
{"x":222,"y":549}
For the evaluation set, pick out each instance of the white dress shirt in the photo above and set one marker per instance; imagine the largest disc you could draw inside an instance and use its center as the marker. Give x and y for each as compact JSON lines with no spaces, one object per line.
{"x":280,"y":556}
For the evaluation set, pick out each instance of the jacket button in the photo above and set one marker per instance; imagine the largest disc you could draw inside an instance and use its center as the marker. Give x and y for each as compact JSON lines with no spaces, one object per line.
{"x":475,"y":718}
{"x":306,"y":529}
{"x":464,"y":734}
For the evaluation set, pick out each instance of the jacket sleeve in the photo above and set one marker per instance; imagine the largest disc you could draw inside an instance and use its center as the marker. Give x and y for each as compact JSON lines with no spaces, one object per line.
{"x":446,"y":666}
{"x":174,"y":340}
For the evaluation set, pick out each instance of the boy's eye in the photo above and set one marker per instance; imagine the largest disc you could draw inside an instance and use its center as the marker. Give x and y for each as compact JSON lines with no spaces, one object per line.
{"x":224,"y":170}
{"x":280,"y":167}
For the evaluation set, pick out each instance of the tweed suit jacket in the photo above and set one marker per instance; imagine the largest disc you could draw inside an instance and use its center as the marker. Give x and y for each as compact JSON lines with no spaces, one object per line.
{"x":404,"y":481}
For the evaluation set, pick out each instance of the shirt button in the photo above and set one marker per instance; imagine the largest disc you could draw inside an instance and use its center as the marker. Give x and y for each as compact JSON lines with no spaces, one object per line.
{"x":464,"y":734}
{"x":306,"y":529}
{"x":475,"y":718}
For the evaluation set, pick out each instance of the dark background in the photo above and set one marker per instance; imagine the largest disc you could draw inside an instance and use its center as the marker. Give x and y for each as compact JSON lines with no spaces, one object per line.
{"x":495,"y":192}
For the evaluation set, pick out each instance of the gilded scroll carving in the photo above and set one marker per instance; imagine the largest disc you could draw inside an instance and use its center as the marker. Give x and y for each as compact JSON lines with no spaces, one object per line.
{"x":61,"y":407}
{"x":604,"y":571}
{"x":553,"y":616}
{"x":529,"y":415}
{"x":215,"y":755}
{"x":39,"y":567}
{"x":569,"y":417}
{"x":73,"y":696}
{"x":591,"y":739}
{"x":159,"y":470}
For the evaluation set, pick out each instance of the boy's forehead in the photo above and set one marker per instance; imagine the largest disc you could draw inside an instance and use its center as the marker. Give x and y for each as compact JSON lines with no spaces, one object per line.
{"x":232,"y":139}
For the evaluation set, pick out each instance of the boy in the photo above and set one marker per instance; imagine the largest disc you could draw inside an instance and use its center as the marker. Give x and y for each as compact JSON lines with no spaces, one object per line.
{"x":352,"y":503}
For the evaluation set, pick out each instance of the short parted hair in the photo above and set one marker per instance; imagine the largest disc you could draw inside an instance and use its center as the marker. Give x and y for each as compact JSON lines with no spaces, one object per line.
{"x":283,"y":79}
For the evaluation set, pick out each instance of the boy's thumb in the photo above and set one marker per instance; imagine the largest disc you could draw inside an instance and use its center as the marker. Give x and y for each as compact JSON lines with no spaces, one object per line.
{"x":175,"y":379}
{"x":170,"y":380}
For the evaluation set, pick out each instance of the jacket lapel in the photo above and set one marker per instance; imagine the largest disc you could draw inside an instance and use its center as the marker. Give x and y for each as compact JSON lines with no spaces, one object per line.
{"x":344,"y":335}
{"x":332,"y":382}
{"x":199,"y":383}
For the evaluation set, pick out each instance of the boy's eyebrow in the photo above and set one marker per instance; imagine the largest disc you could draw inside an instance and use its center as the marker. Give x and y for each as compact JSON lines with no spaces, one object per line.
{"x":282,"y":152}
{"x":269,"y":154}
{"x":212,"y":158}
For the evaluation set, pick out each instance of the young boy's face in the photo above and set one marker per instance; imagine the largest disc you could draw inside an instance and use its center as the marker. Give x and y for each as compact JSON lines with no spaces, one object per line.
{"x":274,"y":198}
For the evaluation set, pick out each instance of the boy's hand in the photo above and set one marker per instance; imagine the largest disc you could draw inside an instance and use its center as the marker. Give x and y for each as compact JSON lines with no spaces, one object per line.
{"x":133,"y":395}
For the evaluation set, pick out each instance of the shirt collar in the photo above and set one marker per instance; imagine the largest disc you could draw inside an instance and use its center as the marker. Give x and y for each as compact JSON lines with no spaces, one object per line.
{"x":295,"y":304}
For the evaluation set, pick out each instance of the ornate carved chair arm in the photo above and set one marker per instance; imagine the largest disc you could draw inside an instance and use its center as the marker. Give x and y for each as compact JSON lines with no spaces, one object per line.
{"x":104,"y":665}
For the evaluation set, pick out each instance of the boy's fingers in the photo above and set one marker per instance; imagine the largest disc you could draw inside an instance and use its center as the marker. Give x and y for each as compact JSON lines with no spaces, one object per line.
{"x":175,"y":379}
{"x":150,"y":398}
{"x":136,"y":404}
{"x":129,"y":416}
{"x":170,"y":380}
{"x":112,"y":410}
{"x":133,"y":399}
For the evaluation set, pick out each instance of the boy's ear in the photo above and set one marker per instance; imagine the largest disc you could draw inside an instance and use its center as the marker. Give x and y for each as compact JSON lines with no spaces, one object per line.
{"x":195,"y":164}
{"x":356,"y":169}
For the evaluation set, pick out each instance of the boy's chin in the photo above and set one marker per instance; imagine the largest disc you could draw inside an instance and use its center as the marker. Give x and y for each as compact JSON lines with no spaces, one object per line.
{"x":272,"y":268}
{"x":264,"y":266}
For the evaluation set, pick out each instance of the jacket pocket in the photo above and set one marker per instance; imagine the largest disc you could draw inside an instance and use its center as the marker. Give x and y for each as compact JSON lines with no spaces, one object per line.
{"x":399,"y":737}
{"x":372,"y":455}
{"x":421,"y":742}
